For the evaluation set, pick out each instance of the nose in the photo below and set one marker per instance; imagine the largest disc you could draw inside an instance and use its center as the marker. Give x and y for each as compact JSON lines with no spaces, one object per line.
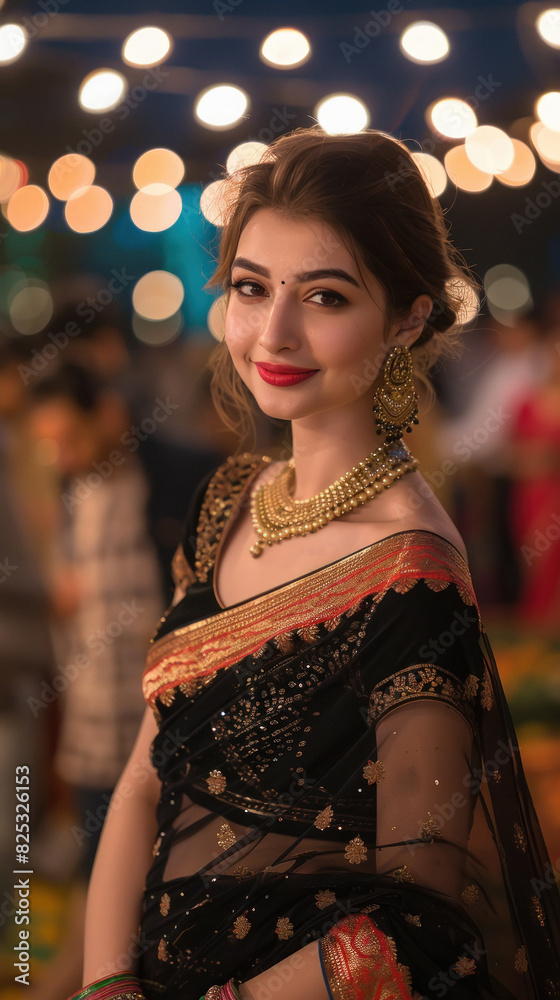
{"x":280,"y":327}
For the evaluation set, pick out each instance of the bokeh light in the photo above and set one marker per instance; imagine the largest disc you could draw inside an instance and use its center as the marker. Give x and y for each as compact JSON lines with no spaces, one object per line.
{"x":285,"y":48}
{"x":27,"y":208}
{"x":147,"y":46}
{"x":433,"y":172}
{"x":158,"y":295}
{"x":523,"y":167}
{"x":470,"y":304}
{"x":157,"y":333}
{"x":88,"y":209}
{"x":452,"y":117}
{"x":216,"y":318}
{"x":215,"y":202}
{"x":31,"y":307}
{"x":548,"y":26}
{"x":70,"y":173}
{"x":158,"y":166}
{"x":547,"y":144}
{"x":490,"y":149}
{"x":11,"y":177}
{"x":424,"y":42}
{"x":245,"y":155}
{"x":221,"y":106}
{"x":342,"y":114}
{"x":548,"y":110}
{"x":156,"y":207}
{"x":507,"y":292}
{"x":101,"y":90}
{"x":463,"y":173}
{"x":12,"y":42}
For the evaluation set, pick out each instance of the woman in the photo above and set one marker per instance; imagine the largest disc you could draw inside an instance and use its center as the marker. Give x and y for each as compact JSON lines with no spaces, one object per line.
{"x":341,"y":810}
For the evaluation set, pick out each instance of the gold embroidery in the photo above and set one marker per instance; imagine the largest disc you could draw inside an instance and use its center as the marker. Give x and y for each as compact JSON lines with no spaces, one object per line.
{"x":324,"y":898}
{"x":356,"y":851}
{"x":520,"y":962}
{"x":538,"y":910}
{"x":164,"y":904}
{"x":471,"y":686}
{"x":162,"y":950}
{"x":486,"y":698}
{"x":242,"y":872}
{"x":470,"y":894}
{"x":199,"y":649}
{"x":219,"y":502}
{"x":155,"y":848}
{"x":465,"y":966}
{"x":403,"y":874}
{"x":324,"y":818}
{"x":181,"y":572}
{"x":284,"y":928}
{"x":422,"y":680}
{"x":226,"y":837}
{"x":374,"y":771}
{"x":519,"y":837}
{"x":167,"y":697}
{"x":216,"y":782}
{"x":414,"y":918}
{"x":430,"y":829}
{"x":241,"y":927}
{"x":308,"y":634}
{"x":370,"y":908}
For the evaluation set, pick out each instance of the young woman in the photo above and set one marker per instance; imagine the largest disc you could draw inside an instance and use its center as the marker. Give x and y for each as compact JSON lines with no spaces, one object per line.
{"x":326,"y":798}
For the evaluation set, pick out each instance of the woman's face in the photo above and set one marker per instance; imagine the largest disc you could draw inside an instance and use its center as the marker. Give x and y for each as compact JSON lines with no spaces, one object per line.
{"x":298,"y":301}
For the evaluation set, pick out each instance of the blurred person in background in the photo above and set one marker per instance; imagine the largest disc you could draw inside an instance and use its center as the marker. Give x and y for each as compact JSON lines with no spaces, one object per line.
{"x":476,"y":442}
{"x":534,"y":510}
{"x":119,"y":528}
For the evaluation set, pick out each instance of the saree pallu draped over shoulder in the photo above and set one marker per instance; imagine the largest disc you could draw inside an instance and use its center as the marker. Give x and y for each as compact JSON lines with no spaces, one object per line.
{"x":338,"y":764}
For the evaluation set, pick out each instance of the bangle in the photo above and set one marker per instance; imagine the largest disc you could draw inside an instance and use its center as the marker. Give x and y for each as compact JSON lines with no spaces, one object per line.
{"x":228,"y":992}
{"x":121,"y":986}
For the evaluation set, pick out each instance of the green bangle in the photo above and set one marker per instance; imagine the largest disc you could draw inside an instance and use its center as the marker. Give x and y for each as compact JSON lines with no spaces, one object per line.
{"x":100,"y":988}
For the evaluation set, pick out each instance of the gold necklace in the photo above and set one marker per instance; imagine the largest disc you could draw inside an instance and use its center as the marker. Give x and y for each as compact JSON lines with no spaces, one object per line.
{"x":277,"y":516}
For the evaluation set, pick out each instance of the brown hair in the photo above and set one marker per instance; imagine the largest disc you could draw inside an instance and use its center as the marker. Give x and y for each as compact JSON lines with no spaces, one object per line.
{"x":368,"y":189}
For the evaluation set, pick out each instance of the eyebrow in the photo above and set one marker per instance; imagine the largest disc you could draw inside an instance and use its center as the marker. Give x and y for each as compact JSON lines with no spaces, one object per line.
{"x":331,"y":272}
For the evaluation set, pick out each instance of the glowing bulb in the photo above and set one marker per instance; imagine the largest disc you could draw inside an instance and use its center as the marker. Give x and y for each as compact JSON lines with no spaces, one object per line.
{"x":489,"y":149}
{"x":27,"y":208}
{"x":424,"y":42}
{"x":523,"y":167}
{"x":463,"y":173}
{"x":146,"y":47}
{"x":70,"y":173}
{"x":215,"y":202}
{"x":548,"y":110}
{"x":88,"y":209}
{"x":156,"y":207}
{"x":12,"y":42}
{"x":221,"y":107}
{"x":548,"y":26}
{"x":432,"y":171}
{"x":101,"y":90}
{"x":158,"y":295}
{"x":158,"y":166}
{"x":285,"y":47}
{"x":453,"y":118}
{"x":342,"y":114}
{"x":245,"y":155}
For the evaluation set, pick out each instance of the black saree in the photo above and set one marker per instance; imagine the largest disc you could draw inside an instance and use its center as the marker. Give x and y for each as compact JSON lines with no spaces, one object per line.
{"x":338,"y":763}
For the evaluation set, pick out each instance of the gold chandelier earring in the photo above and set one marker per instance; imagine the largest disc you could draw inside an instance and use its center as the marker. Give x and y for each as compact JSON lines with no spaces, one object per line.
{"x":395,"y":402}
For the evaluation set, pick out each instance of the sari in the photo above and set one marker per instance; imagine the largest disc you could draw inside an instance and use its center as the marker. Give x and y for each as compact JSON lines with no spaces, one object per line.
{"x":338,"y":764}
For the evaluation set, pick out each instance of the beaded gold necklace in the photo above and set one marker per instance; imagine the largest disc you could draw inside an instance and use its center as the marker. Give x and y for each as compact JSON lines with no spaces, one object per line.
{"x":277,"y":516}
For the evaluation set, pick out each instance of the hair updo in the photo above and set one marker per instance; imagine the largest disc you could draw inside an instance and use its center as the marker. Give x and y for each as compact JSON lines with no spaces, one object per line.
{"x":369,"y":190}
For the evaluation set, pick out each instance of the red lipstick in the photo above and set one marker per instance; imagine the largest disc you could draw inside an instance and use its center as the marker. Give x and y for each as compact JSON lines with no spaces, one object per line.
{"x":283,"y":374}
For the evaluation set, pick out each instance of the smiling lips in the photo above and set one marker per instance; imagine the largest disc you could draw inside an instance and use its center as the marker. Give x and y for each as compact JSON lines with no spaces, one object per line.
{"x":283,"y":374}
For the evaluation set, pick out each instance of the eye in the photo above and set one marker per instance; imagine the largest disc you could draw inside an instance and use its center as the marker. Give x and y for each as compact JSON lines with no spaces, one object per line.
{"x":326,"y":297}
{"x":247,"y":288}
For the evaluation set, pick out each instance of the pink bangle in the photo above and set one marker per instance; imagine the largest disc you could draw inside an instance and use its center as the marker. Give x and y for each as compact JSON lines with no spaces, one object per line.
{"x":121,"y":986}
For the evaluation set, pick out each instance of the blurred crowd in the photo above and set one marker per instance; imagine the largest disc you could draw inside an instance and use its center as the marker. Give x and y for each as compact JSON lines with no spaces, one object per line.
{"x":102,"y":444}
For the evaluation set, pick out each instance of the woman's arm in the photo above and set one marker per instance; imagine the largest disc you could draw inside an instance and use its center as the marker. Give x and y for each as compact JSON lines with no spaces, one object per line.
{"x":122,"y":861}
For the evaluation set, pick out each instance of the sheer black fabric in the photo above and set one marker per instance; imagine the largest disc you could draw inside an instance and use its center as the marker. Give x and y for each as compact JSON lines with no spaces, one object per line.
{"x":339,"y":746}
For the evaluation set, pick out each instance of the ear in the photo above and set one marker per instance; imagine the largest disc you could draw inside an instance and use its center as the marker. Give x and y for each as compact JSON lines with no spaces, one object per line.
{"x":408,"y":328}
